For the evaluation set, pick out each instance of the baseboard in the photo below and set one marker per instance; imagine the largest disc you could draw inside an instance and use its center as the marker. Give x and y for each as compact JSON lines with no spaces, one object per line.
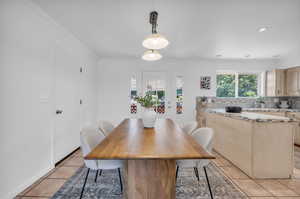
{"x":57,"y":163}
{"x":29,"y":182}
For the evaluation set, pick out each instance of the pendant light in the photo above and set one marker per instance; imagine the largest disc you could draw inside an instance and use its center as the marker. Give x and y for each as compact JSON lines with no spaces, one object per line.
{"x":151,"y":55}
{"x":155,"y":41}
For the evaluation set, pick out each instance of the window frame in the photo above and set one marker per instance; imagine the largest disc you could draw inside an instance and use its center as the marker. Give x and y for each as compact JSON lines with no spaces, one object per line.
{"x":236,"y":81}
{"x":179,"y":76}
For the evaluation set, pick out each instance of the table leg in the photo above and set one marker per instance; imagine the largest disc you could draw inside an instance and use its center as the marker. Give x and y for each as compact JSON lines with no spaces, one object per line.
{"x":150,"y":179}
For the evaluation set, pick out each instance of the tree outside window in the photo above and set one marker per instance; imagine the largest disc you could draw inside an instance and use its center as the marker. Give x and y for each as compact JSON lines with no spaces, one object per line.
{"x":247,"y":85}
{"x":225,"y":85}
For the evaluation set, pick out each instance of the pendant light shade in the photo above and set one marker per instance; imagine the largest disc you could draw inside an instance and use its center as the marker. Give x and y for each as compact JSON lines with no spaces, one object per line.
{"x":155,"y":41}
{"x":151,"y":55}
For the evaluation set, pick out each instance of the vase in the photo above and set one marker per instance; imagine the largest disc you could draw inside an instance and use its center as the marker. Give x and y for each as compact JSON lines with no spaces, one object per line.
{"x":149,"y":117}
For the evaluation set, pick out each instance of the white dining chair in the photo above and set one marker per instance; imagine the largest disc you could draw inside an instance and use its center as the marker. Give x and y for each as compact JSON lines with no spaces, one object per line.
{"x":190,"y":127}
{"x":204,"y":137}
{"x":90,"y":138}
{"x":106,"y":127}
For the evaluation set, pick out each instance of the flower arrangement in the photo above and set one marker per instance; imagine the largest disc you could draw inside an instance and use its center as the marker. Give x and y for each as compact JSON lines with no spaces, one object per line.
{"x":147,"y":101}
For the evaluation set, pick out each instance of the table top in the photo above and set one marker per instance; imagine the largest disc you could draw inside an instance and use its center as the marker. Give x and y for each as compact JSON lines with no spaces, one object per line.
{"x":130,"y":140}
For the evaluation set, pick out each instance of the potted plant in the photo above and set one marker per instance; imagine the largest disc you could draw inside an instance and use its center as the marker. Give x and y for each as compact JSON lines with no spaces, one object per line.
{"x":148,"y":102}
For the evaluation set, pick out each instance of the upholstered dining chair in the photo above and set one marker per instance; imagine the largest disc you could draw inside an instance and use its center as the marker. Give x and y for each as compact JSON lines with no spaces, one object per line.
{"x":204,"y":137}
{"x":190,"y":127}
{"x":90,"y":138}
{"x":105,"y":127}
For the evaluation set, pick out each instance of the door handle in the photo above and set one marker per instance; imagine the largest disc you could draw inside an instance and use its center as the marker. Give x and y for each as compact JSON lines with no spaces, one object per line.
{"x":58,"y":112}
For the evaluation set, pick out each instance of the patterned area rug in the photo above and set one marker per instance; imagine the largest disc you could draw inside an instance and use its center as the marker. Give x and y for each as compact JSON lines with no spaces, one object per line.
{"x":187,"y":186}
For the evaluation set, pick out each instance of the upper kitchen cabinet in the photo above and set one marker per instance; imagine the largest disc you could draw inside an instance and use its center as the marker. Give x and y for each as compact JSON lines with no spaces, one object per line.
{"x":275,"y":83}
{"x":293,"y":81}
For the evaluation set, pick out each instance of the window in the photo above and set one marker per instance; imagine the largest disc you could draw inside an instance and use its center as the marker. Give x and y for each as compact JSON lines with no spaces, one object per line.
{"x":133,"y":95}
{"x":156,"y":88}
{"x":179,"y":94}
{"x":247,"y":85}
{"x":237,"y":85}
{"x":225,"y":85}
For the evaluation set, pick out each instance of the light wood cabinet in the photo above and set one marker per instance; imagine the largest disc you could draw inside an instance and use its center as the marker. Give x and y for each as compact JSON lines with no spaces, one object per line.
{"x":283,"y":82}
{"x":293,"y":82}
{"x":275,"y":83}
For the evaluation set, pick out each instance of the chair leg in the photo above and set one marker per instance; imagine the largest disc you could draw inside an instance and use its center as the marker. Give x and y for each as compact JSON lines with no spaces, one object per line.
{"x":196,"y":173}
{"x":211,"y":195}
{"x":177,"y":168}
{"x":86,"y":177}
{"x":120,"y":178}
{"x":96,"y":177}
{"x":100,"y":172}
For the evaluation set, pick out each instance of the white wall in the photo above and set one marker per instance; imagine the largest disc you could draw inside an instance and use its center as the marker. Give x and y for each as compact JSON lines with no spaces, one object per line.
{"x":27,"y":41}
{"x":114,"y":80}
{"x":291,"y":59}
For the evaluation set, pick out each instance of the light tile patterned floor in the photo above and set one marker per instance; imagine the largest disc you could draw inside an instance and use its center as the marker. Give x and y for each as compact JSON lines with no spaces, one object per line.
{"x":254,"y":189}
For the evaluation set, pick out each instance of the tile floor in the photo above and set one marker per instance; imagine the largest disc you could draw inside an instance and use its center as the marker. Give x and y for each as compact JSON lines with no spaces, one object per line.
{"x":254,"y":189}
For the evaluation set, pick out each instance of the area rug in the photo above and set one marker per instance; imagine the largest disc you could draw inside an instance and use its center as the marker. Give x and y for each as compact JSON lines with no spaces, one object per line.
{"x":187,"y":187}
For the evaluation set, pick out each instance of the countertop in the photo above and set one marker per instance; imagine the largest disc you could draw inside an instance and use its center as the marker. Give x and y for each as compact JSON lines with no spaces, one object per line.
{"x":257,"y":117}
{"x":271,"y":110}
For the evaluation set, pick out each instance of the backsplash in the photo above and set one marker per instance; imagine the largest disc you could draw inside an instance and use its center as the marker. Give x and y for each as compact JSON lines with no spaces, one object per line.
{"x":270,"y":102}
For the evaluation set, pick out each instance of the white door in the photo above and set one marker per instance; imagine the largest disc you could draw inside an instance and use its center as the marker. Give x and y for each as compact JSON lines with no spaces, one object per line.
{"x":67,"y":106}
{"x":167,"y":88}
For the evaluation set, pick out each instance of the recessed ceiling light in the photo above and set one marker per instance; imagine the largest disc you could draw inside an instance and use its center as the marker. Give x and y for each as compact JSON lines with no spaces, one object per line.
{"x":248,"y":55}
{"x":262,"y":29}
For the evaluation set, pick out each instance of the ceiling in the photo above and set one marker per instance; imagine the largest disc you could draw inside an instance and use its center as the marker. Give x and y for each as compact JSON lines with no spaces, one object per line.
{"x":195,"y":28}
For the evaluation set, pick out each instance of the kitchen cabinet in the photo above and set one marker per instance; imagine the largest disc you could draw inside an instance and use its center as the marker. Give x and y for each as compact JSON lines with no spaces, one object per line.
{"x":293,"y":82}
{"x":275,"y":83}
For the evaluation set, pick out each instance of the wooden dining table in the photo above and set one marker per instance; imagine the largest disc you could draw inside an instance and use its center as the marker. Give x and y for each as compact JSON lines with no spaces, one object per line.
{"x":150,"y":155}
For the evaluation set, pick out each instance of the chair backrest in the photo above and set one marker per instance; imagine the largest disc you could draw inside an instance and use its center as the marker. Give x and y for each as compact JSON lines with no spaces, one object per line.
{"x":106,"y":127}
{"x":190,"y":127}
{"x":89,"y":139}
{"x":204,"y":137}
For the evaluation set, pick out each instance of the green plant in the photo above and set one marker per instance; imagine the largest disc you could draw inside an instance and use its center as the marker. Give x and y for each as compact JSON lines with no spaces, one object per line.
{"x":147,"y":101}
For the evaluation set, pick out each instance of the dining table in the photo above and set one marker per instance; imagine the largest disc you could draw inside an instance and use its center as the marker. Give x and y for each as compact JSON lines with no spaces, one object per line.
{"x":149,"y":156}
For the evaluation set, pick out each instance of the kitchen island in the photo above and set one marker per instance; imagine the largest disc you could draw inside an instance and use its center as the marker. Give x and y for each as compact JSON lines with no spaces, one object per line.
{"x":290,"y":113}
{"x":260,"y":145}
